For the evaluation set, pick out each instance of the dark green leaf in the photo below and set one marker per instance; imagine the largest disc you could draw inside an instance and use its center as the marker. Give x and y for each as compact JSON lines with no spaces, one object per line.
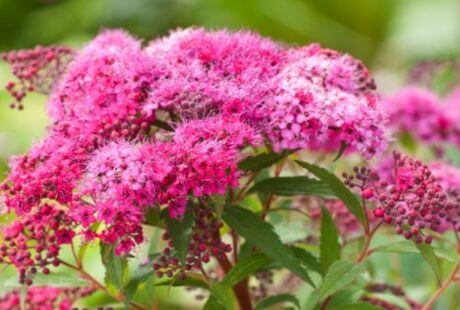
{"x":220,"y":298}
{"x":339,"y":275}
{"x":343,"y":147}
{"x":261,"y":161}
{"x":163,"y":125}
{"x":291,"y":186}
{"x":276,"y":299}
{"x":192,"y":279}
{"x":245,"y":267}
{"x":329,"y":241}
{"x":428,"y":254}
{"x":116,"y":267}
{"x":261,"y":234}
{"x":338,"y":188}
{"x":153,"y":218}
{"x":180,"y":232}
{"x":310,"y":261}
{"x":356,"y":306}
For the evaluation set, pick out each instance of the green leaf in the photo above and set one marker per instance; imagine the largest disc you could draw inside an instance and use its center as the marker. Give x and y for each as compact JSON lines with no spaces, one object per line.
{"x":292,"y":186}
{"x":356,"y":306}
{"x":192,"y":279}
{"x":338,"y":188}
{"x":343,"y":147}
{"x":59,"y":279}
{"x":245,"y":267}
{"x":116,"y":267}
{"x":339,"y":275}
{"x":221,"y":298}
{"x":153,"y":218}
{"x":180,"y":232}
{"x":428,"y":254}
{"x":163,"y":125}
{"x":276,"y":299}
{"x":139,"y":275}
{"x":262,"y":235}
{"x":329,"y":241}
{"x":261,"y":161}
{"x":309,"y":260}
{"x":409,"y":247}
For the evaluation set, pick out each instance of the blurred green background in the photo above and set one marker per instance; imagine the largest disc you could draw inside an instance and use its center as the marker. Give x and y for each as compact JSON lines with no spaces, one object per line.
{"x":388,"y":35}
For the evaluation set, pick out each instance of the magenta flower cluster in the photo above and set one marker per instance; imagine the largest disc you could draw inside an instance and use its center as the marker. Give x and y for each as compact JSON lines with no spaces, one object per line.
{"x":44,"y":298}
{"x":134,"y":128}
{"x":424,"y":115}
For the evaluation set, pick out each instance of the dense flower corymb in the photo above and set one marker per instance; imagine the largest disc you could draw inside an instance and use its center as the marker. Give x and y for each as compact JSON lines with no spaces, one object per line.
{"x":135,"y":128}
{"x":322,"y":98}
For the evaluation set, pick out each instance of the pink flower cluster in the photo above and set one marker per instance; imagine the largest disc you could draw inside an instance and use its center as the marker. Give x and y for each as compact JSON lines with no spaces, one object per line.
{"x":423,"y":114}
{"x":37,"y":70}
{"x":139,"y":127}
{"x":411,"y":198}
{"x":44,"y":298}
{"x":322,"y":99}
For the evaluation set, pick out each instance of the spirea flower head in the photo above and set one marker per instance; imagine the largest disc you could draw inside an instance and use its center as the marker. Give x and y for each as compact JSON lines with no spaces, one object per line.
{"x":44,"y":298}
{"x":123,"y":179}
{"x":421,"y":113}
{"x":50,"y":170}
{"x":205,"y":155}
{"x":104,"y":158}
{"x":411,"y":198}
{"x":37,"y":70}
{"x":207,"y":72}
{"x":104,"y":89}
{"x":323,"y":98}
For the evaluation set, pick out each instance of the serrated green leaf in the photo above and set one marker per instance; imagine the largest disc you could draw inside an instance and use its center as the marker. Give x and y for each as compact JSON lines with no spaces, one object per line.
{"x":339,"y":275}
{"x":116,"y":267}
{"x":276,"y":299}
{"x":180,"y":232}
{"x":428,"y":254}
{"x":409,"y":247}
{"x":245,"y":267}
{"x":192,"y":279}
{"x":221,"y":298}
{"x":262,"y":235}
{"x":261,"y":161}
{"x":329,"y":241}
{"x":338,"y":188}
{"x":308,"y":259}
{"x":292,"y":186}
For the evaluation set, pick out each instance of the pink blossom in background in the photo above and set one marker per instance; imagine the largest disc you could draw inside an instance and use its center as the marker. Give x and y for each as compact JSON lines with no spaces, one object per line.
{"x":44,"y":298}
{"x":421,"y":113}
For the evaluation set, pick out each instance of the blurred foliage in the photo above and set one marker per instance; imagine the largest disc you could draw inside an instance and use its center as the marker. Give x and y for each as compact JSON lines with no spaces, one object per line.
{"x":388,"y":35}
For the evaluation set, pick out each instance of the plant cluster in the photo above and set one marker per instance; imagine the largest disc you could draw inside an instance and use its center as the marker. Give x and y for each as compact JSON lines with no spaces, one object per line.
{"x":198,"y":134}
